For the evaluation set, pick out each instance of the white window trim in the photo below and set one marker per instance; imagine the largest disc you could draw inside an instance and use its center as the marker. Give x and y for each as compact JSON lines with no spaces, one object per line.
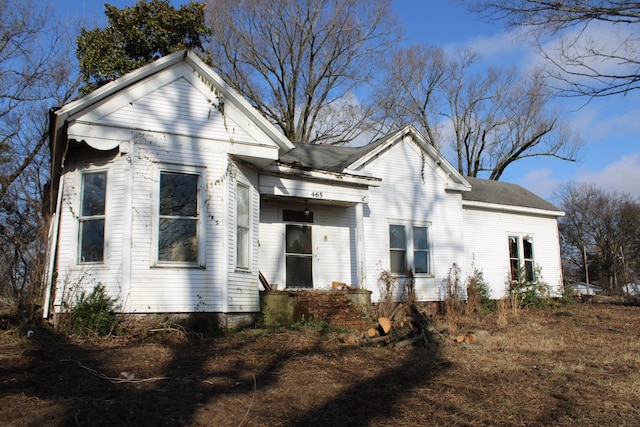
{"x":409,"y":237}
{"x":78,"y":215}
{"x":241,"y":182}
{"x":201,"y":225}
{"x":521,"y":259}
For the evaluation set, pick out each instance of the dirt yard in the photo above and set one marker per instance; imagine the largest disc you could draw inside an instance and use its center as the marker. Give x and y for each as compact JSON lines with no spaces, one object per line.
{"x":577,"y":366}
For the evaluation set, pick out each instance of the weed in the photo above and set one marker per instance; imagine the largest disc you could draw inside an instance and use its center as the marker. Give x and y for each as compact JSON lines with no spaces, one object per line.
{"x":479,"y":295}
{"x":387,"y":283}
{"x":453,"y":301}
{"x":305,"y":323}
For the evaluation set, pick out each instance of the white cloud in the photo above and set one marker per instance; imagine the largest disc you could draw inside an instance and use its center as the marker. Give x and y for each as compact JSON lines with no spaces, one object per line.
{"x":504,"y":48}
{"x":622,"y":176}
{"x":540,"y":182}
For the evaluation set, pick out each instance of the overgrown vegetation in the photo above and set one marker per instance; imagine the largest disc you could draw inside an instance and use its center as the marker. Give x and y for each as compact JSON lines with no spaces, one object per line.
{"x":479,"y":294}
{"x":387,"y":284}
{"x":530,"y":293}
{"x":454,"y":308}
{"x":94,"y":313}
{"x":310,"y":323}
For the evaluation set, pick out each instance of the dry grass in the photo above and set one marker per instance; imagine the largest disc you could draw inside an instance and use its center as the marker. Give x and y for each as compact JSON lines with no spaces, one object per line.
{"x":575,"y":367}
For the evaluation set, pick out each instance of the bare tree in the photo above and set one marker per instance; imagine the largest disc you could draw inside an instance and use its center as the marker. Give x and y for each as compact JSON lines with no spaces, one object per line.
{"x":584,"y":63}
{"x":411,"y":91}
{"x":490,"y":118}
{"x":300,"y":62}
{"x":603,"y":227}
{"x":36,"y":56}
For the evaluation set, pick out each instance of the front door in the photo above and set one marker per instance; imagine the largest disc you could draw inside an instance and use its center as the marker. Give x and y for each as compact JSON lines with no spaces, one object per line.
{"x":299,"y":257}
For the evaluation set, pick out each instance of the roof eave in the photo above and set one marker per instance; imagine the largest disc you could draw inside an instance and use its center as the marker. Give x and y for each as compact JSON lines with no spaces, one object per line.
{"x":512,"y":209}
{"x":346,"y":178}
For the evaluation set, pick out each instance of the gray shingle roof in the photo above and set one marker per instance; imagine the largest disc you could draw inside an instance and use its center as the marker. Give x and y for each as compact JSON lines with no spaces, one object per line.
{"x":333,"y":158}
{"x":504,"y":193}
{"x":330,"y":158}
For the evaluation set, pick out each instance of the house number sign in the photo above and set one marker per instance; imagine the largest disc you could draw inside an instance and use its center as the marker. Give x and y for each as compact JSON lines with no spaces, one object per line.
{"x":316,"y":194}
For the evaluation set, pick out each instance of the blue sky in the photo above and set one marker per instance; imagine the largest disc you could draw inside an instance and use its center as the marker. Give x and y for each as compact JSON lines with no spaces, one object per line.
{"x":609,"y":127}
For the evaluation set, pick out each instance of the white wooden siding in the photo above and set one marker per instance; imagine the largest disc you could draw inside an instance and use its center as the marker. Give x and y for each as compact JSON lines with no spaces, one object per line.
{"x":158,"y":126}
{"x":242,"y":290}
{"x":487,"y":250}
{"x":73,"y":278}
{"x":412,"y":190}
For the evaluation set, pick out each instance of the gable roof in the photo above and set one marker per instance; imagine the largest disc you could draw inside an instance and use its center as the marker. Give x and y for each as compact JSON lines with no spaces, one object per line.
{"x":346,"y":159}
{"x":485,"y":191}
{"x":231,"y":98}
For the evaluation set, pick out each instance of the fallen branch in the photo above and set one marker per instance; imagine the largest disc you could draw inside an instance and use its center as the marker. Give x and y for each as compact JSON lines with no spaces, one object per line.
{"x":408,"y":341}
{"x":112,"y":379}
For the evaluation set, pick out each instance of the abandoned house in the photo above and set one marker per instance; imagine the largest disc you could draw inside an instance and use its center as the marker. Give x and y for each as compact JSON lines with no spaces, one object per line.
{"x":173,"y":192}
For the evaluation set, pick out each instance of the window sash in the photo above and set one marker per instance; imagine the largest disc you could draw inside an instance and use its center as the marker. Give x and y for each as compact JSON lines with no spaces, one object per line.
{"x":91,"y":221}
{"x":243,"y":225}
{"x":398,"y":249}
{"x":178,"y":219}
{"x":421,"y":250}
{"x":521,"y":258}
{"x":409,"y":248}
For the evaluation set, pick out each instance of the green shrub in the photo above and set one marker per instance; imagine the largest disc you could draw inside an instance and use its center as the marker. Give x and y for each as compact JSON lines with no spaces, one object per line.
{"x":482,"y":291}
{"x":94,"y":314}
{"x":531,"y":294}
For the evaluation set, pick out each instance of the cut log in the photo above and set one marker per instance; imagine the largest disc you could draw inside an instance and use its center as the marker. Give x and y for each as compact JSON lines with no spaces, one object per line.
{"x":395,"y":311}
{"x":336,"y":285}
{"x":385,"y":324}
{"x":373,"y":332}
{"x":477,"y":336}
{"x":349,"y":339}
{"x":460,"y":338}
{"x":378,"y":340}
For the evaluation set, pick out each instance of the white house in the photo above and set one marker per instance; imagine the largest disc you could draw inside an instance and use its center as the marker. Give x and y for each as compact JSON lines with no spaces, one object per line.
{"x":170,"y":190}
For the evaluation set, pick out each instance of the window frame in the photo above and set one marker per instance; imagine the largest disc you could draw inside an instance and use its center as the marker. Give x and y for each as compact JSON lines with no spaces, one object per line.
{"x":200,"y":217}
{"x":248,"y":228}
{"x":524,"y":263}
{"x":81,"y":218}
{"x":410,"y":249}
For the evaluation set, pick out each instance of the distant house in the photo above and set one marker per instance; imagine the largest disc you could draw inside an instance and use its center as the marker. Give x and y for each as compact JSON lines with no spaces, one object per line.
{"x":170,"y":190}
{"x":586,"y":289}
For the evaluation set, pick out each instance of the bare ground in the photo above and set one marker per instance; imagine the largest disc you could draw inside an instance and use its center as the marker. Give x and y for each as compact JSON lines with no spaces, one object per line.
{"x":575,"y":366}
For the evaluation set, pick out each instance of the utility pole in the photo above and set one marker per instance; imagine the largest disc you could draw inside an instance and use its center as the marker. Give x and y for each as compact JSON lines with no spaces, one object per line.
{"x":624,"y":269}
{"x":586,"y":269}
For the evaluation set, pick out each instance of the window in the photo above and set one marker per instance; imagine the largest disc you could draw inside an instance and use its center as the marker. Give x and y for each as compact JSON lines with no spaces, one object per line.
{"x":178,"y":218}
{"x":243,"y":225}
{"x":92,"y":216}
{"x":421,"y":250}
{"x":521,"y":258}
{"x":409,"y":248}
{"x":398,"y":247}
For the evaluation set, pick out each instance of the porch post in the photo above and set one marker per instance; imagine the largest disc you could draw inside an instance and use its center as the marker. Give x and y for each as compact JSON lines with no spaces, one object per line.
{"x":360,"y":252}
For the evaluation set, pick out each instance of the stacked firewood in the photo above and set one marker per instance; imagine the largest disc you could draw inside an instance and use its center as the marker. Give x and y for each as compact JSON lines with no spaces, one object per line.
{"x":405,"y":326}
{"x":408,"y":326}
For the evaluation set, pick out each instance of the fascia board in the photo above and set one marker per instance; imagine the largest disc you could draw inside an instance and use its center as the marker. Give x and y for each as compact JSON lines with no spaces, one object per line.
{"x":513,"y":209}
